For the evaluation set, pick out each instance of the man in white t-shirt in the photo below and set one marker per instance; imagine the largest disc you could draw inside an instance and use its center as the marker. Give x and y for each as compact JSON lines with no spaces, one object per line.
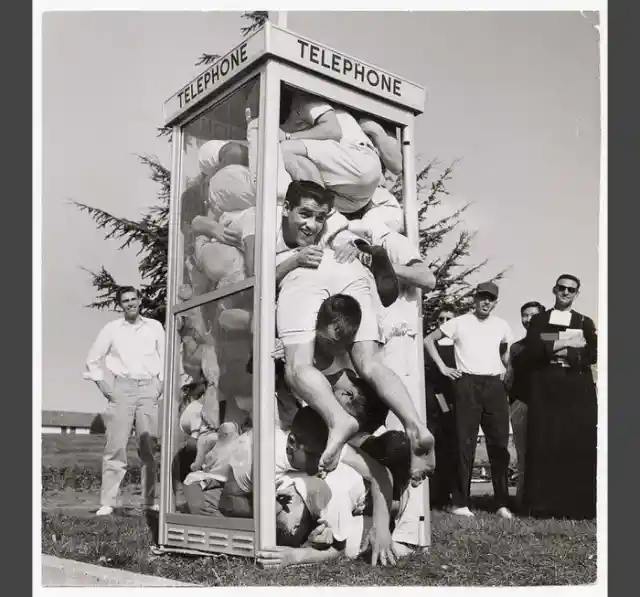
{"x":481,"y":344}
{"x":327,"y":145}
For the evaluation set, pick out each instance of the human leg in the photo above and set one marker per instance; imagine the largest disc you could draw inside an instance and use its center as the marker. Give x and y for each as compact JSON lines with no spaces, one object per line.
{"x":118,"y":419}
{"x":468,"y":414}
{"x":495,"y":424}
{"x":367,"y":359}
{"x":519,"y":426}
{"x":146,"y":421}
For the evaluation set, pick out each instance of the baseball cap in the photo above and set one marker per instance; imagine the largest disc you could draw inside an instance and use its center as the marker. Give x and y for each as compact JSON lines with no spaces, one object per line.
{"x":488,"y":287}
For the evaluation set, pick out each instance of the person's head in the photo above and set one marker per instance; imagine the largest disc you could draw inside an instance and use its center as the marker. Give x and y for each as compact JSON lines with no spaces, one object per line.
{"x":446,"y":313}
{"x":294,"y":522}
{"x":233,"y":153}
{"x":566,"y":290}
{"x":128,"y":299}
{"x":337,"y":323}
{"x":485,"y":299}
{"x":306,"y":440}
{"x":528,"y":310}
{"x":305,"y":210}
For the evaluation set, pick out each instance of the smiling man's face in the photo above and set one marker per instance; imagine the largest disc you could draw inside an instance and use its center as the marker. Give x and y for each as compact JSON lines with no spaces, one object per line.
{"x":305,"y":221}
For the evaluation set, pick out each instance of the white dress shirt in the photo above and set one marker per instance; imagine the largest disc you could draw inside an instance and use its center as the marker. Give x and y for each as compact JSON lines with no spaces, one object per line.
{"x":131,"y":350}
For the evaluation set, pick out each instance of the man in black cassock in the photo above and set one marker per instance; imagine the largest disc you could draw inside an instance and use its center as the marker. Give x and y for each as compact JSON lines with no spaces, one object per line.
{"x":561,"y":455}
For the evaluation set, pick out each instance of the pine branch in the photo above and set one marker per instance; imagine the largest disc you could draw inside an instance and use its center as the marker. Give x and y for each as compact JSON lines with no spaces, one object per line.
{"x":257,"y":17}
{"x":207,"y":59}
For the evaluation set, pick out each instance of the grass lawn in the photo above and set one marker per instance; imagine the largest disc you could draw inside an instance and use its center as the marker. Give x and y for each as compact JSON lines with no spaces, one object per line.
{"x":485,"y":551}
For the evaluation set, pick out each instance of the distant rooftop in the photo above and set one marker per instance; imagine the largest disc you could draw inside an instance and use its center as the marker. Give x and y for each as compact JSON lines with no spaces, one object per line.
{"x":63,"y":418}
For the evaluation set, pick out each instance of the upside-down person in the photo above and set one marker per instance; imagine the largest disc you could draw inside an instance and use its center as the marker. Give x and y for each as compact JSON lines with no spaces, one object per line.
{"x":227,"y":487}
{"x":308,"y":274}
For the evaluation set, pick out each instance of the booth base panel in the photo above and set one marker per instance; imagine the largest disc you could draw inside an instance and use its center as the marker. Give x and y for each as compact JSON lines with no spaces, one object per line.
{"x":198,"y":540}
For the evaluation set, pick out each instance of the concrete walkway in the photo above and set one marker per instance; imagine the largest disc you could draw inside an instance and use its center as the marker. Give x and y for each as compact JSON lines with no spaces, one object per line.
{"x":59,"y":572}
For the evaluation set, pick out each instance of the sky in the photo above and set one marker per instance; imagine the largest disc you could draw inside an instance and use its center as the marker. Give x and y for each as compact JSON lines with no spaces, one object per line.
{"x":514,"y":96}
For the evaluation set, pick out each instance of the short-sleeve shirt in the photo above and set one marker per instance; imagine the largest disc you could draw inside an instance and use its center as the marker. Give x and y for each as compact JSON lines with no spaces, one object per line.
{"x":476,"y":343}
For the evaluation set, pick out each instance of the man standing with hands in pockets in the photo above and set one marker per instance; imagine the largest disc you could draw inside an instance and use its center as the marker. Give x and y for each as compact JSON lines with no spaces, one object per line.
{"x":133,"y":351}
{"x":481,"y":344}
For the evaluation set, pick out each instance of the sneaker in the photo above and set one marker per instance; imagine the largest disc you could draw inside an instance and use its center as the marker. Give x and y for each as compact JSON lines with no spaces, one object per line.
{"x":383,"y":273}
{"x":462,"y":512}
{"x":504,"y":512}
{"x":104,"y":511}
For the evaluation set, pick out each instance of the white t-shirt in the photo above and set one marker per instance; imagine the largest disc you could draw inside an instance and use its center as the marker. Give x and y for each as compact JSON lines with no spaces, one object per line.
{"x":476,"y":343}
{"x":306,"y":109}
{"x":241,"y":461}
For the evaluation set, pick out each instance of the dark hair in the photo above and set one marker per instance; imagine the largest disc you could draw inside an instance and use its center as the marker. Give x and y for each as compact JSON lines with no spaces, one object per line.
{"x":531,"y":304}
{"x":233,"y":153}
{"x":307,"y":189}
{"x":343,"y":313}
{"x":568,"y":277}
{"x":308,"y":426}
{"x":297,"y":536}
{"x":123,"y":290}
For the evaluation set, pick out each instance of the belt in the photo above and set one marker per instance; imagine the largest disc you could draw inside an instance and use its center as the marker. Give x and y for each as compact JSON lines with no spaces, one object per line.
{"x":560,"y":364}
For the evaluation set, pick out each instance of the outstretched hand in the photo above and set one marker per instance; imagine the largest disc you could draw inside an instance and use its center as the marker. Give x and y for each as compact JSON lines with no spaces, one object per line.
{"x":382,"y":548}
{"x":276,"y":557}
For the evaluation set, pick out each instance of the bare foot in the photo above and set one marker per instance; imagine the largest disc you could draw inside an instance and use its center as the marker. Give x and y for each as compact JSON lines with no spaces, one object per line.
{"x":339,"y":435}
{"x":422,"y":454}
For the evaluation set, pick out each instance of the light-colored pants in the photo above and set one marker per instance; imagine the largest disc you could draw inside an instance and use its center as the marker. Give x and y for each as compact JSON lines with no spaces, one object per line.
{"x":519,"y":426}
{"x":132,"y":401}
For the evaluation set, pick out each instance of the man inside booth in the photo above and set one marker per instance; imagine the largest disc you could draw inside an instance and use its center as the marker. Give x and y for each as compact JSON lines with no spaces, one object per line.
{"x":306,"y":275}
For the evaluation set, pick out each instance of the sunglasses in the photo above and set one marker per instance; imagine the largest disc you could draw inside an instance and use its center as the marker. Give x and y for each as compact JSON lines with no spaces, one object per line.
{"x":444,"y":319}
{"x":569,"y":289}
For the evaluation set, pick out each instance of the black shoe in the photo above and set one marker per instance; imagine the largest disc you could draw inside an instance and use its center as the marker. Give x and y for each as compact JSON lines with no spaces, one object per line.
{"x":382,"y":270}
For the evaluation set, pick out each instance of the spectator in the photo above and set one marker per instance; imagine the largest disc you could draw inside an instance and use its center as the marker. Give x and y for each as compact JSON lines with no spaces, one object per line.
{"x":440,"y":416}
{"x":481,"y":343}
{"x":517,"y":382}
{"x":561,"y":347}
{"x":133,"y":351}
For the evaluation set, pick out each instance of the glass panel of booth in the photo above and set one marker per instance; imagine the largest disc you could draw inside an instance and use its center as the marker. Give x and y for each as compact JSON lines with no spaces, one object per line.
{"x":213,"y":306}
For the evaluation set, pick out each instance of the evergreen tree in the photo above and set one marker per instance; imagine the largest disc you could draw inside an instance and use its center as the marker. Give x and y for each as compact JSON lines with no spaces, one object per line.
{"x":150,"y":234}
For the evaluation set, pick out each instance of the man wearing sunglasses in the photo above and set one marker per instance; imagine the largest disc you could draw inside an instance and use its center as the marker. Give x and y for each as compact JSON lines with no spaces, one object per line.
{"x":481,"y":344}
{"x":561,"y":347}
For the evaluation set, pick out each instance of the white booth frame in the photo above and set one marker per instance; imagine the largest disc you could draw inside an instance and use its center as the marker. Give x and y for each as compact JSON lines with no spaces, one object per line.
{"x":198,"y":534}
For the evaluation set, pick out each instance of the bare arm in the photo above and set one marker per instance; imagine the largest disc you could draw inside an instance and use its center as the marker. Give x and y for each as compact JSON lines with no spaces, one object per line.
{"x":286,"y":267}
{"x":417,"y":274}
{"x":326,"y":127}
{"x":381,"y":496}
{"x":390,"y":153}
{"x":430,"y":345}
{"x":280,"y":556}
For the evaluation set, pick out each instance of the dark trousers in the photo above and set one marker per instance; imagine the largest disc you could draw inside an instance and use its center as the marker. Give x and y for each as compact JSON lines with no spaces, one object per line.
{"x":481,"y":400}
{"x":442,"y":427}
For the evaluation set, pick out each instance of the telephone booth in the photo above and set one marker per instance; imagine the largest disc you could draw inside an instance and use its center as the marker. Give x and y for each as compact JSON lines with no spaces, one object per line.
{"x":215,"y":308}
